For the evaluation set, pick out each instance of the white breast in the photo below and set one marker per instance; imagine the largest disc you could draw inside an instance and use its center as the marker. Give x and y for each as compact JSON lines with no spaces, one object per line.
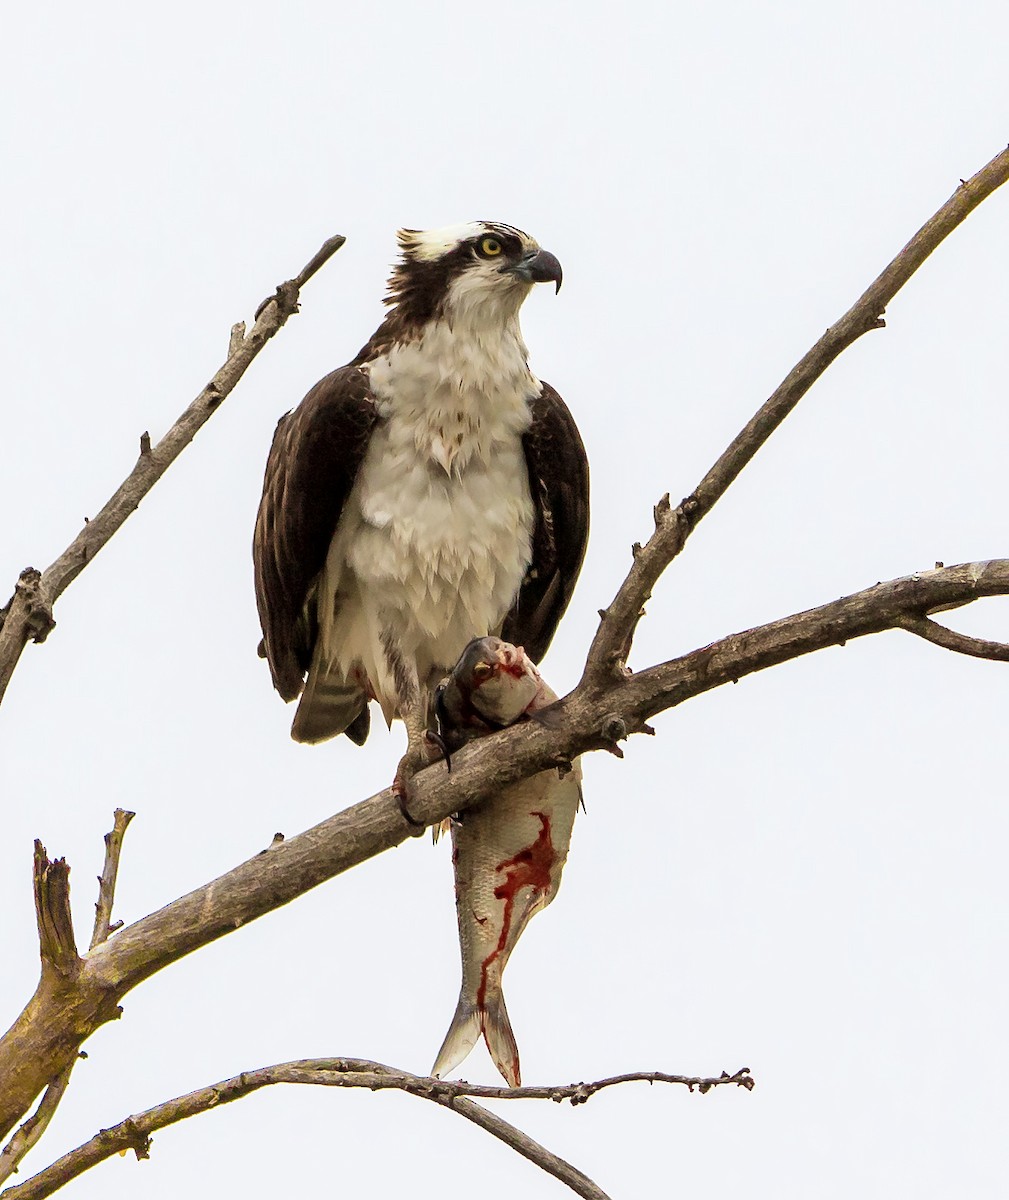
{"x":435,"y":537}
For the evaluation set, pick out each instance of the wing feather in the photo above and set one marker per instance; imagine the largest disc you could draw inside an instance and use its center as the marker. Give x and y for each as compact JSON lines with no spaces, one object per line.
{"x":316,"y":453}
{"x":559,"y":483}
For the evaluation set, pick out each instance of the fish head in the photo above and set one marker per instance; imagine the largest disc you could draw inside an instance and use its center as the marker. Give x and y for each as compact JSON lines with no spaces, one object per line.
{"x":493,"y":681}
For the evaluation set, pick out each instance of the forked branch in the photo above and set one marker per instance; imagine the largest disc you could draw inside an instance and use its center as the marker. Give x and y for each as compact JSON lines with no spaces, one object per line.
{"x":52,"y":1028}
{"x":77,"y":995}
{"x":58,"y":949}
{"x":134,"y":1133}
{"x":959,"y":643}
{"x":612,"y":644}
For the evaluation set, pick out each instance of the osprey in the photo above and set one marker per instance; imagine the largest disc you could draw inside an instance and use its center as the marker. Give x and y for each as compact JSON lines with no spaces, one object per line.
{"x":431,"y":491}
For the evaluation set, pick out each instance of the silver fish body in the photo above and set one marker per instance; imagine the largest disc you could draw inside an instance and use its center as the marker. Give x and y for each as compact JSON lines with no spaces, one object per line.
{"x":508,"y":853}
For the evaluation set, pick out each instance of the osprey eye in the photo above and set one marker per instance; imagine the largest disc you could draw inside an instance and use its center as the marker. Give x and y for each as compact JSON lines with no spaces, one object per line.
{"x":490,"y":247}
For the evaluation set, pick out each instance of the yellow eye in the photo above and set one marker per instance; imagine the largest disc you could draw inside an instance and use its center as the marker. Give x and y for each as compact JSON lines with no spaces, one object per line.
{"x":490,"y":246}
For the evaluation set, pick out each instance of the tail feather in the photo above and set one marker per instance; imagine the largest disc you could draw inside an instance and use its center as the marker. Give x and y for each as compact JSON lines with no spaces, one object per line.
{"x":330,"y":705}
{"x":467,"y":1025}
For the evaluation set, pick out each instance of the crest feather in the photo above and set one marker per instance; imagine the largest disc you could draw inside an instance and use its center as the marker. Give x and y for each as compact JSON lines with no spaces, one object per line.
{"x":428,"y":245}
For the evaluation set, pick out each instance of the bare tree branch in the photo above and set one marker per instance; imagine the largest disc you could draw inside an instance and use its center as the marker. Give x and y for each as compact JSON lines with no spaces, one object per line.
{"x":612,"y":643}
{"x":885,"y":606}
{"x":57,"y":1021}
{"x":76,"y":996}
{"x":959,"y":643}
{"x":107,"y":879}
{"x":36,"y":1125}
{"x":521,"y":1142}
{"x":57,"y":945}
{"x":359,"y":1072}
{"x":134,"y":1133}
{"x":28,"y":614}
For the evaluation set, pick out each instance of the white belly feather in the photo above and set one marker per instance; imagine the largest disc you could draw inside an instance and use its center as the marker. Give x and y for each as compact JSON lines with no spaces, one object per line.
{"x":435,"y":537}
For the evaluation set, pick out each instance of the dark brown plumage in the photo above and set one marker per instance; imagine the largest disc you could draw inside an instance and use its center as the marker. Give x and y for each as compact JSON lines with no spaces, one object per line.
{"x":317,"y":455}
{"x":559,"y":483}
{"x":316,"y":452}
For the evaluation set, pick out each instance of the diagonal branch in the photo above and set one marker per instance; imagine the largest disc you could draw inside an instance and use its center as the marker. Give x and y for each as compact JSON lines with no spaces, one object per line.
{"x":36,"y":1125}
{"x":107,"y":879}
{"x":885,"y":606}
{"x":611,"y":646}
{"x":521,"y":1142}
{"x":28,"y":614}
{"x":134,"y":1133}
{"x":959,"y":643}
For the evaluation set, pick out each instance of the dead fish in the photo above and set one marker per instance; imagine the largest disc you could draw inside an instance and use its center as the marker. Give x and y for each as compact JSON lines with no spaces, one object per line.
{"x":508,"y":853}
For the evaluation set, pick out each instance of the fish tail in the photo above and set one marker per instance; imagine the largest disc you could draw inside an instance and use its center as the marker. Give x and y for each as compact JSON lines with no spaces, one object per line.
{"x":497,"y":1033}
{"x":461,"y":1038}
{"x":467,"y":1025}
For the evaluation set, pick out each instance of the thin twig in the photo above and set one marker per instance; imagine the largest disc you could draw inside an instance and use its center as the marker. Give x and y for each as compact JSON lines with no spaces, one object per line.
{"x":28,"y":615}
{"x":30,"y":1132}
{"x":611,"y":646}
{"x":107,"y":879}
{"x":350,"y":1072}
{"x":134,"y":1133}
{"x":949,"y":639}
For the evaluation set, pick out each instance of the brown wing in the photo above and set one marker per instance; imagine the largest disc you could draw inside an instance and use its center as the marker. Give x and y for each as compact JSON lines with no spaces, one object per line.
{"x":316,"y":452}
{"x":559,"y":482}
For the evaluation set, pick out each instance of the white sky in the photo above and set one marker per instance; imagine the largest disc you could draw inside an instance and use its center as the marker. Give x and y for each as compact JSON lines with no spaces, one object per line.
{"x":803,"y":874}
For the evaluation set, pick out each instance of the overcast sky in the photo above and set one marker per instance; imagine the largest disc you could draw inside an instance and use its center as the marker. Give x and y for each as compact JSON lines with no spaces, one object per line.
{"x":803,"y":874}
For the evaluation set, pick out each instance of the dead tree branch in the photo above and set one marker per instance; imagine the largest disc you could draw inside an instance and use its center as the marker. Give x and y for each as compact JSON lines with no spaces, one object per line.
{"x":134,"y":1133}
{"x":57,"y":945}
{"x":959,"y":643}
{"x":54,"y":1025}
{"x":36,"y":1125}
{"x":612,"y":644}
{"x":107,"y":879}
{"x":28,"y":614}
{"x":52,"y":898}
{"x":77,"y":995}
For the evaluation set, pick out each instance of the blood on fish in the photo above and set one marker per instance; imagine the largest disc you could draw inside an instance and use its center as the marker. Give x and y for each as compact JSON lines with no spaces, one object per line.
{"x":516,"y":669}
{"x":531,"y":867}
{"x":506,"y":891}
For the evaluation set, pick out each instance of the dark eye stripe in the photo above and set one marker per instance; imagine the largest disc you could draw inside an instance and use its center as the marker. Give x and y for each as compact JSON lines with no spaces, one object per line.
{"x":509,"y":244}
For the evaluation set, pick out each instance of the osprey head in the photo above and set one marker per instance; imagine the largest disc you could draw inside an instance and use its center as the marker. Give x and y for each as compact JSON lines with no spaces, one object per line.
{"x":479,"y":265}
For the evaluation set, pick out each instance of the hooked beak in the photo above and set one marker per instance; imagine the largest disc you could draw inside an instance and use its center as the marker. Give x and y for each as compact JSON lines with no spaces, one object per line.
{"x":539,"y":266}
